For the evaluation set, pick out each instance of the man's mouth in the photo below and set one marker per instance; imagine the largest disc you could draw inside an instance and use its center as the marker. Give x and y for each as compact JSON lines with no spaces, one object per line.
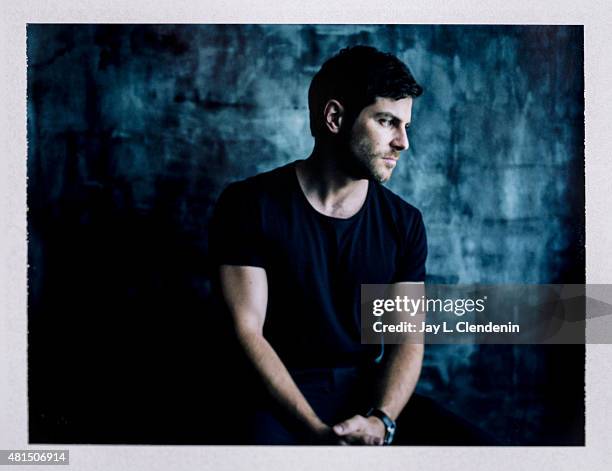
{"x":390,"y":161}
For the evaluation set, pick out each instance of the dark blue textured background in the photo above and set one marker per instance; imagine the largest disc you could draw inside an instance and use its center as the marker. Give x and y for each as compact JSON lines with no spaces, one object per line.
{"x":134,"y":130}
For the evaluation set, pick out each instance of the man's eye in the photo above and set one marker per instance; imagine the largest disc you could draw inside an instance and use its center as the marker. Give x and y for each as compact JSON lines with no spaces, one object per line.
{"x":385,"y":122}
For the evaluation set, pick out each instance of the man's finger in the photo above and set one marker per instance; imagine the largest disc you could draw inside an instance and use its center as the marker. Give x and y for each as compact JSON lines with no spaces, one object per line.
{"x":353,"y":439}
{"x":362,"y":439}
{"x":372,"y":440}
{"x":348,"y":426}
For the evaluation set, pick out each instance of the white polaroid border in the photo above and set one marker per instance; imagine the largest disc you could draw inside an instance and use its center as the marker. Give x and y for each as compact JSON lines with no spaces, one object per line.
{"x":596,"y":16}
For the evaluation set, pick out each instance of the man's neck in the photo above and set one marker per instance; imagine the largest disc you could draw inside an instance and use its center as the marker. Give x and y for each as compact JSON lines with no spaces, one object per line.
{"x":328,"y":187}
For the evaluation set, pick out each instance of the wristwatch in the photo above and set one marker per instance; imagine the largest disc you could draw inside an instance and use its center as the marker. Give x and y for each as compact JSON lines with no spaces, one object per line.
{"x":389,"y":423}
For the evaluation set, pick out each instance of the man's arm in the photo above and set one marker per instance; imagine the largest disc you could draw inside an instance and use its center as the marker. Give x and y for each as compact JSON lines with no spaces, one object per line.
{"x":245,"y":290}
{"x":403,"y":366}
{"x":397,"y":382}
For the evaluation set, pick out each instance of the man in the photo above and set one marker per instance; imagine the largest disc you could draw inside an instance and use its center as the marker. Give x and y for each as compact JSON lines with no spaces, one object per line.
{"x":294,"y":245}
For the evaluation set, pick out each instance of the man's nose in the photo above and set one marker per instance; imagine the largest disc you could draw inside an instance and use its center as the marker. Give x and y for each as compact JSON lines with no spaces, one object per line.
{"x":400,"y":140}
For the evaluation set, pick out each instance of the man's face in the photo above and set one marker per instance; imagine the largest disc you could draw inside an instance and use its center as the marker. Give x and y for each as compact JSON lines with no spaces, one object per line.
{"x":378,"y":136}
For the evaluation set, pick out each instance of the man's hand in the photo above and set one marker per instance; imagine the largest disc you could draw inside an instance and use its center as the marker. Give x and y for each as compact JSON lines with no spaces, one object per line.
{"x":325,"y":435}
{"x":360,"y":430}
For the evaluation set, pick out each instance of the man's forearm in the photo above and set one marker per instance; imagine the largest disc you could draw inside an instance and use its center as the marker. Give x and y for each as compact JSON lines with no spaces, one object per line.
{"x":402,"y":367}
{"x":278,"y":381}
{"x":395,"y":386}
{"x":399,"y":378}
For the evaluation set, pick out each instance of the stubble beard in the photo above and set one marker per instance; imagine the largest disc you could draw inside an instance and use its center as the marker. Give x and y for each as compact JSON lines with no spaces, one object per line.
{"x":369,"y":162}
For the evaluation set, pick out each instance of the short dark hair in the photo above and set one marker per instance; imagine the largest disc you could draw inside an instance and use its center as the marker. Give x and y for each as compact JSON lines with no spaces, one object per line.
{"x":355,"y":77}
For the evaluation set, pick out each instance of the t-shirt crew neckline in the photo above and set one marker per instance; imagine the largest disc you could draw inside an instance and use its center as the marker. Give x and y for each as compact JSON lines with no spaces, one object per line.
{"x":318,"y":213}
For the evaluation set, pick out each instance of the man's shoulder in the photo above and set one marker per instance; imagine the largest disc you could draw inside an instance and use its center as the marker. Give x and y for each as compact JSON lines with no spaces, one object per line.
{"x":262,"y":183}
{"x":397,"y":205}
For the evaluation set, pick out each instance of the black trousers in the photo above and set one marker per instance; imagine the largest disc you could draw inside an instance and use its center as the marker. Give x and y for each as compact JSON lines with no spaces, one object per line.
{"x":336,"y":394}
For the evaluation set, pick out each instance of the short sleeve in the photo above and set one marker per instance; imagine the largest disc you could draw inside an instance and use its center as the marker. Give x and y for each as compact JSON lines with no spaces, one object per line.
{"x":235,"y":233}
{"x":412,"y":256}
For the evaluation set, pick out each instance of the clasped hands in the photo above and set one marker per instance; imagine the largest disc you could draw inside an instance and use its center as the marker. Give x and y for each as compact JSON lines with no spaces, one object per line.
{"x":358,"y":430}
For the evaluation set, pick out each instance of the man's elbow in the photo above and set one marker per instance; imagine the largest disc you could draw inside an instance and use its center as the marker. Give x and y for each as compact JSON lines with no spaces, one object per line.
{"x":418,"y":350}
{"x":413,"y":350}
{"x":248,"y":329}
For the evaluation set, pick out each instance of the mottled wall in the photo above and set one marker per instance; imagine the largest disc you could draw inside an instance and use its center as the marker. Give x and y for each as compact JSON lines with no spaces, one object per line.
{"x":134,"y":130}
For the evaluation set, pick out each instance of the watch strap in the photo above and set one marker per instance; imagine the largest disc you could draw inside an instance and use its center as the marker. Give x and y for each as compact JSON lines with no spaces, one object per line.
{"x":388,"y":422}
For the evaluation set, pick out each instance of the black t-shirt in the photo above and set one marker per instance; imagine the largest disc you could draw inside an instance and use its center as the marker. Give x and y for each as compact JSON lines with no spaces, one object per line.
{"x":315,"y":264}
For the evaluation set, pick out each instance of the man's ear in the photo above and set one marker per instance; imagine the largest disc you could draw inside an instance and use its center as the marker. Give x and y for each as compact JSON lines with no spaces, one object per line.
{"x":333,"y":115}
